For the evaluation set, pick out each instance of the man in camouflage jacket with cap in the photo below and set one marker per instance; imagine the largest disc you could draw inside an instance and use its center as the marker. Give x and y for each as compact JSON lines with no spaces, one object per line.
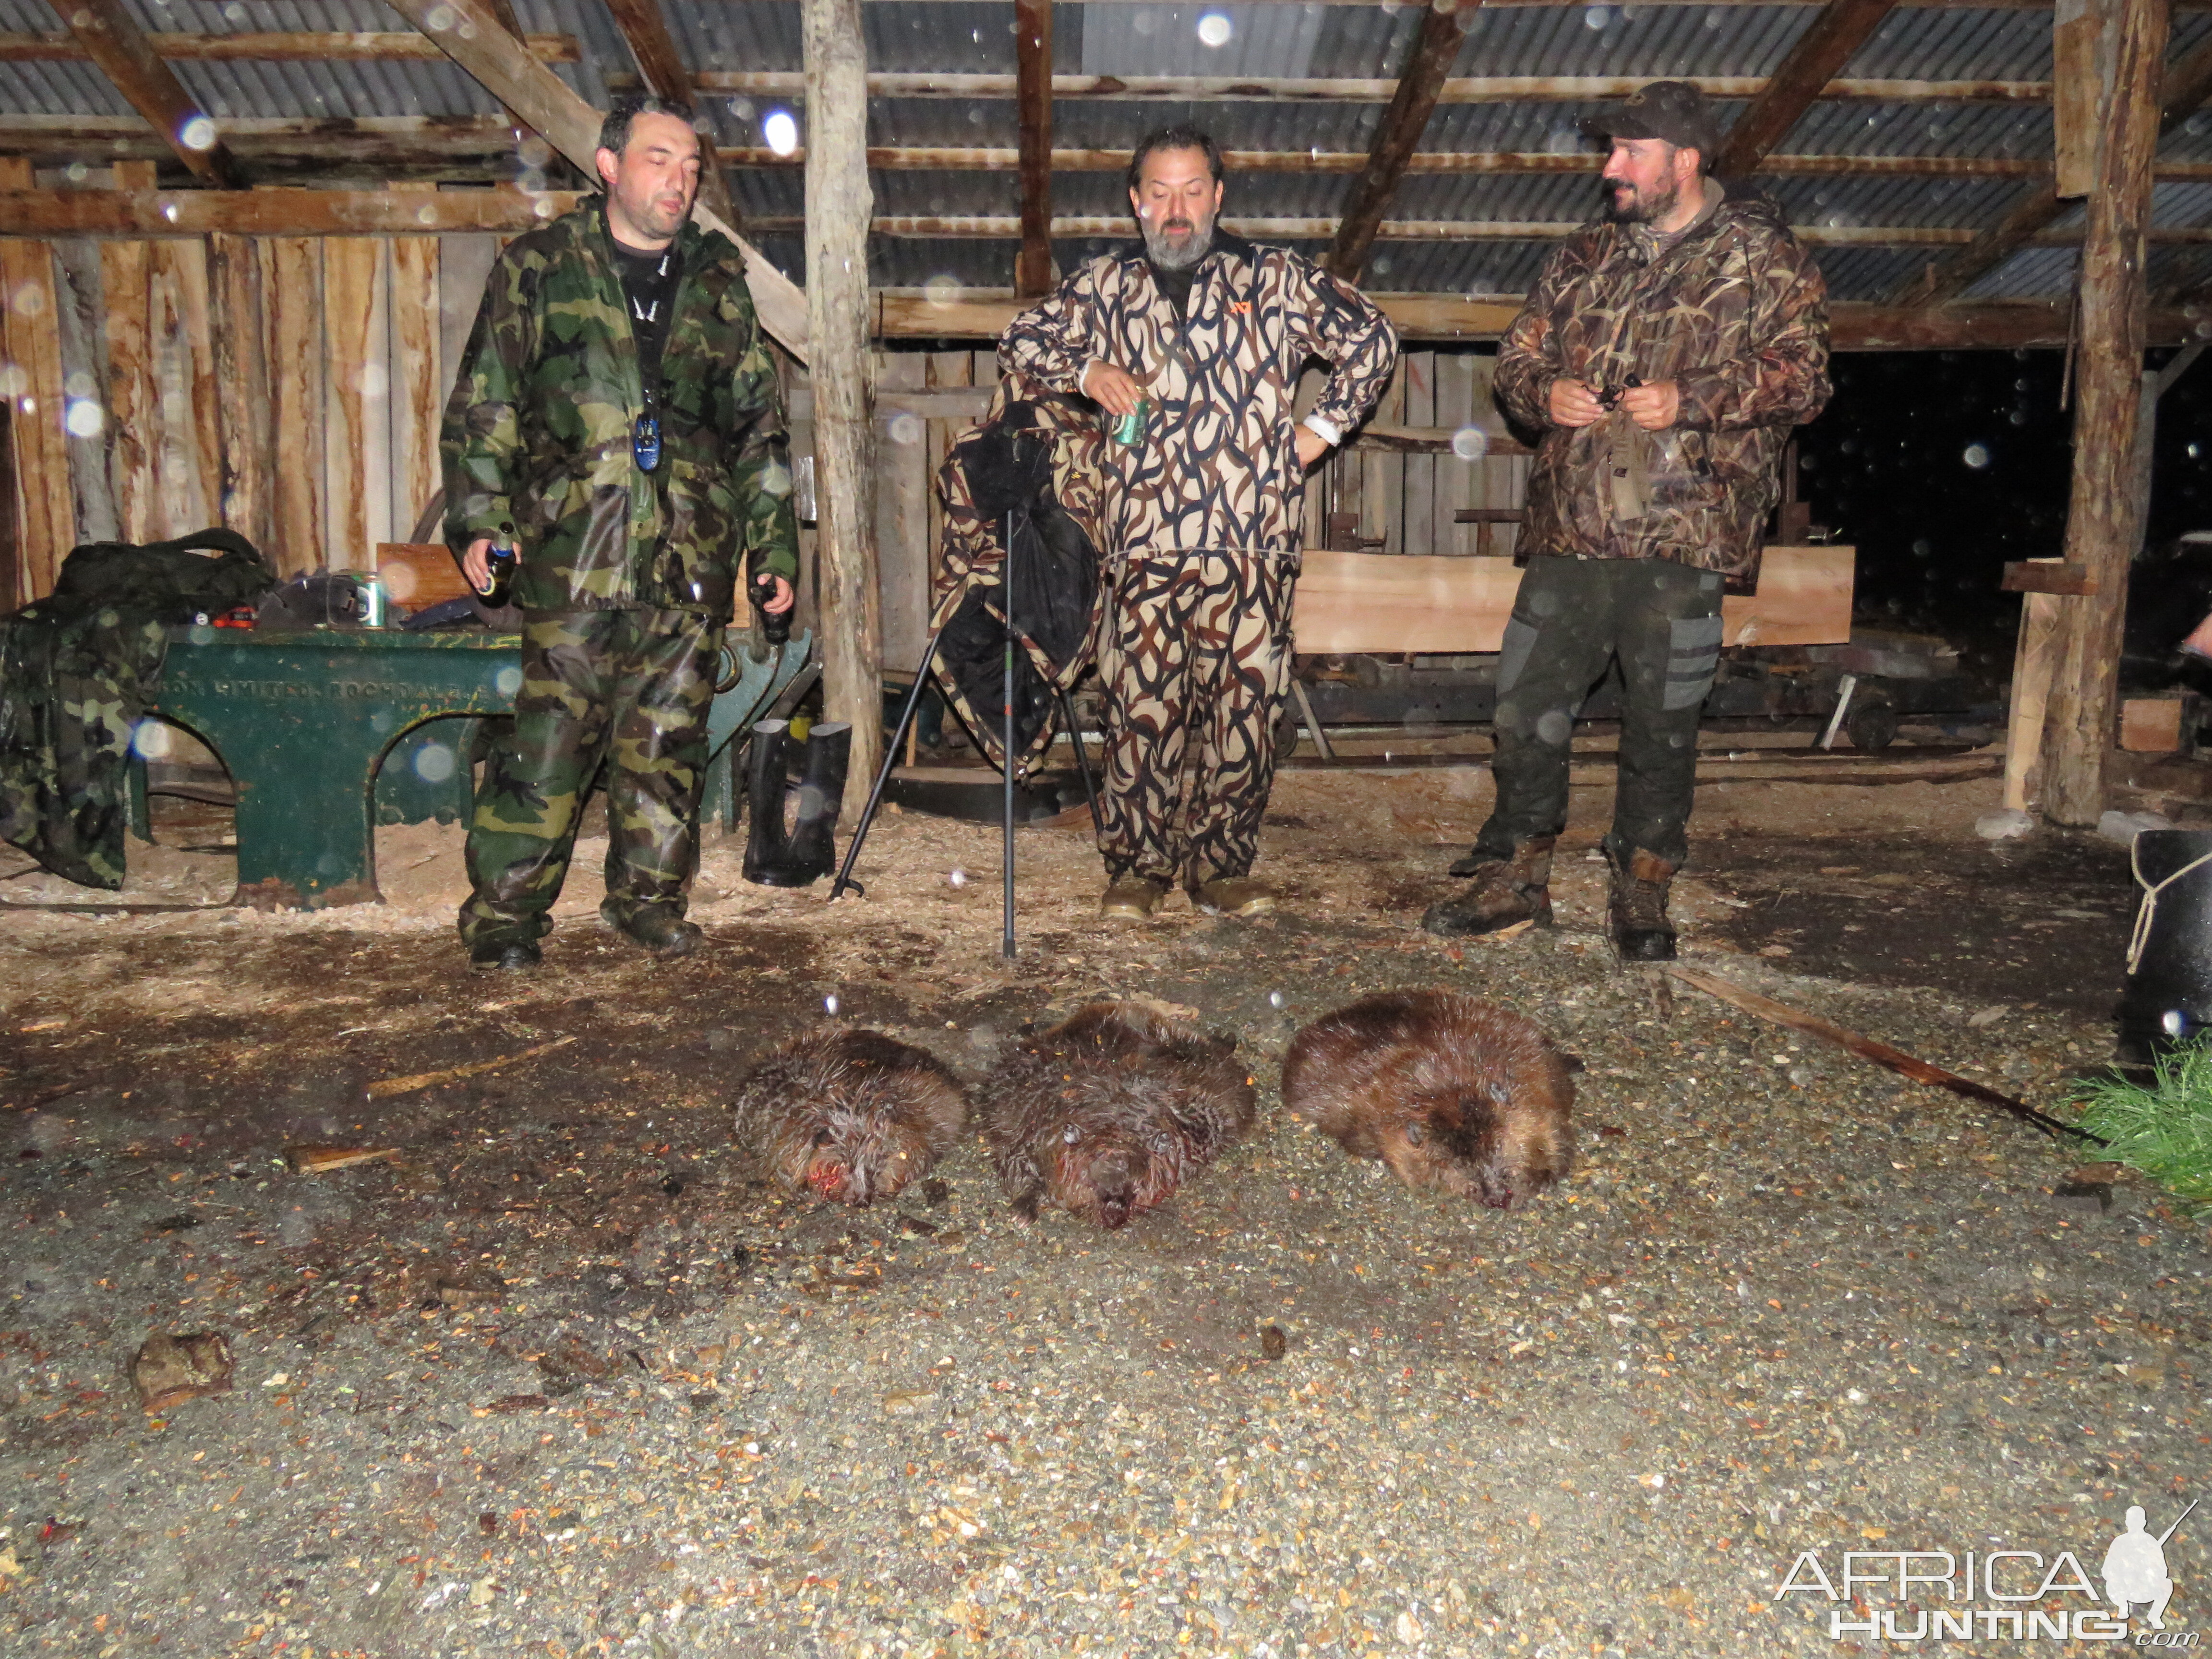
{"x":1664,"y":354}
{"x":618,"y":422}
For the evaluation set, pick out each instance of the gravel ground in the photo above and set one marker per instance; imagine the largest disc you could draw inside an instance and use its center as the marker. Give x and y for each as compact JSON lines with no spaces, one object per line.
{"x":563,"y":1378}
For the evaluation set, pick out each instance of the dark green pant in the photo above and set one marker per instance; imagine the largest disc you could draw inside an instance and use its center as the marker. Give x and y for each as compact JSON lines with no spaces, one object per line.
{"x":1571,"y":618}
{"x":626,"y":688}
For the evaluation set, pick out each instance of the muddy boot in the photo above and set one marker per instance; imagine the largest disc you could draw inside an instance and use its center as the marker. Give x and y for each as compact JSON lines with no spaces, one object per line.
{"x":1637,"y":913}
{"x":811,"y":851}
{"x":1500,"y":891}
{"x":767,"y":767}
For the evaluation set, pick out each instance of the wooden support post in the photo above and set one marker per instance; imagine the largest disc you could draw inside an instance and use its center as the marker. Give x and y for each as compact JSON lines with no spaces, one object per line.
{"x":113,"y":40}
{"x":2030,"y":696}
{"x":44,"y":503}
{"x":1817,"y":59}
{"x":2105,"y":516}
{"x":645,"y":31}
{"x":1443,"y":29}
{"x":839,"y":203}
{"x":1033,"y":108}
{"x":241,"y":378}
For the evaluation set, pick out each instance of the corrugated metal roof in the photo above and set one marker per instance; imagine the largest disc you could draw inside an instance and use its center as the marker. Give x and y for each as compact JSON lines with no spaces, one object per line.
{"x":1246,"y":39}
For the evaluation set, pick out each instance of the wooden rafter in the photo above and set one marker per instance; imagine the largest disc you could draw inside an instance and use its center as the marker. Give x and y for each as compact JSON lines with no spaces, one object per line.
{"x":1854,"y":326}
{"x":646,"y":30}
{"x":1812,"y":63}
{"x":1033,"y":106}
{"x":275,"y":46}
{"x":1480,"y":89}
{"x":1428,"y":66}
{"x":472,"y":36}
{"x":113,"y":40}
{"x":150,"y":213}
{"x":436,"y":141}
{"x":2183,"y":90}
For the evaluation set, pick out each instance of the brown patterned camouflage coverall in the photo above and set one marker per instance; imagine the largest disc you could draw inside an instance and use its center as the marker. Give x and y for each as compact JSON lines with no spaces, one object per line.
{"x":1735,"y":314}
{"x":1200,"y":522}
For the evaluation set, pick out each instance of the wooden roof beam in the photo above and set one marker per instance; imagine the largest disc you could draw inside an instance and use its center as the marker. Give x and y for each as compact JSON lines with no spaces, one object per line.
{"x":276,"y":47}
{"x":644,"y":30}
{"x":2185,"y":85}
{"x":1033,"y":105}
{"x":299,"y":212}
{"x":1446,"y":317}
{"x":113,"y":40}
{"x":1470,"y":89}
{"x":1428,"y":66}
{"x":469,"y":34}
{"x":1818,"y":56}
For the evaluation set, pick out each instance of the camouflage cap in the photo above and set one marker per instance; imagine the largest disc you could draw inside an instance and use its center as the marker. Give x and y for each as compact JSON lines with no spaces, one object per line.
{"x":1672,"y":110}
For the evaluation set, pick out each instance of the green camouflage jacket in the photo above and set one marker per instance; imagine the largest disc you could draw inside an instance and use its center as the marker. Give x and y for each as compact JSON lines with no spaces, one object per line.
{"x":1735,"y":314}
{"x":1219,"y":467}
{"x":536,"y":438}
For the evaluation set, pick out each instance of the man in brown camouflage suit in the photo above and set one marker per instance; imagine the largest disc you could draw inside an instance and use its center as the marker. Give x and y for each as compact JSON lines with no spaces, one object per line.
{"x":1665,"y":353}
{"x":1201,"y":511}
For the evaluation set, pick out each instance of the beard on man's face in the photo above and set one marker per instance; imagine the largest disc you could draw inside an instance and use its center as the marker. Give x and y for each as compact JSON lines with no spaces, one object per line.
{"x":1178,"y":242}
{"x":1628,"y":205}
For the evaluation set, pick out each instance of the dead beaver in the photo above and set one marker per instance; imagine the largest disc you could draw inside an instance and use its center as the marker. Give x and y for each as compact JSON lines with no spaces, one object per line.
{"x":853,"y":1115}
{"x":1108,"y":1111}
{"x":1448,"y":1091}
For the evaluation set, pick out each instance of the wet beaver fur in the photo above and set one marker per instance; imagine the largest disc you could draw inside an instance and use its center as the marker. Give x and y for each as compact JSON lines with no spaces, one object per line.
{"x":852,"y":1116}
{"x":1106,"y":1113}
{"x":1448,"y":1091}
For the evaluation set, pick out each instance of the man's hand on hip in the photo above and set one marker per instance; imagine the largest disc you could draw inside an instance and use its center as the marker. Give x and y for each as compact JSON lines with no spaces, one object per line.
{"x":1112,"y":389}
{"x":1573,"y":403}
{"x":1653,"y":407}
{"x":1311,"y":446}
{"x":476,"y":563}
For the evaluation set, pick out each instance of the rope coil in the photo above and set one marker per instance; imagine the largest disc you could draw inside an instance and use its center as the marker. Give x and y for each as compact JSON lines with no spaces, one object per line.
{"x":2139,"y":941}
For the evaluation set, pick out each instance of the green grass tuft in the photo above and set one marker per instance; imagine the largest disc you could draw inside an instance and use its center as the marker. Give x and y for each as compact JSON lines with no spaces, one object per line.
{"x":2165,"y":1130}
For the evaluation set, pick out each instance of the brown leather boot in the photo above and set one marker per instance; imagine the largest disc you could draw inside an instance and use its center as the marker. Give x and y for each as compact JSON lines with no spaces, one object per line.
{"x":1500,"y":892}
{"x":1637,"y":913}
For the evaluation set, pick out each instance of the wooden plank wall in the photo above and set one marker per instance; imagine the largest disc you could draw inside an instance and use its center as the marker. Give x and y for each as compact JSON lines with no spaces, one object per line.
{"x":331,"y":448}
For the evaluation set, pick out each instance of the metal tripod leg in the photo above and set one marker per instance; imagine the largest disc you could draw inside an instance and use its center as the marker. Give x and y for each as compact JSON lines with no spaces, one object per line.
{"x":1075,"y":737}
{"x":884,"y":772}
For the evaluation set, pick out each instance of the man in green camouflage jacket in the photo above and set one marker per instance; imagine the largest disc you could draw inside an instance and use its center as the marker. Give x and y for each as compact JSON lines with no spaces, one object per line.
{"x":1664,"y":354}
{"x":617,"y":421}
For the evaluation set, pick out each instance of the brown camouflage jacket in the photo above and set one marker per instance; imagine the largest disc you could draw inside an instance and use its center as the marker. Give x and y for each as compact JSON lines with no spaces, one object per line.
{"x":1218,"y":466}
{"x":1735,"y":314}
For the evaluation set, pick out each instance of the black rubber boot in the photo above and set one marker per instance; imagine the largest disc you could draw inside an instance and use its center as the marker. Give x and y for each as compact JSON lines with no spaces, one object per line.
{"x":1501,"y":892}
{"x":811,"y":853}
{"x":768,"y":765}
{"x":658,"y":929}
{"x":505,"y":956}
{"x":1637,"y":912}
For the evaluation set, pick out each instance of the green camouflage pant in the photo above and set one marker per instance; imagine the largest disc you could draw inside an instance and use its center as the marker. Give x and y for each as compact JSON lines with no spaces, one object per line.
{"x":630,"y":689}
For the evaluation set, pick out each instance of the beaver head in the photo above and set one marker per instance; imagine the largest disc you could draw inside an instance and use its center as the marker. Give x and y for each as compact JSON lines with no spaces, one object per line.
{"x":1449,"y":1139}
